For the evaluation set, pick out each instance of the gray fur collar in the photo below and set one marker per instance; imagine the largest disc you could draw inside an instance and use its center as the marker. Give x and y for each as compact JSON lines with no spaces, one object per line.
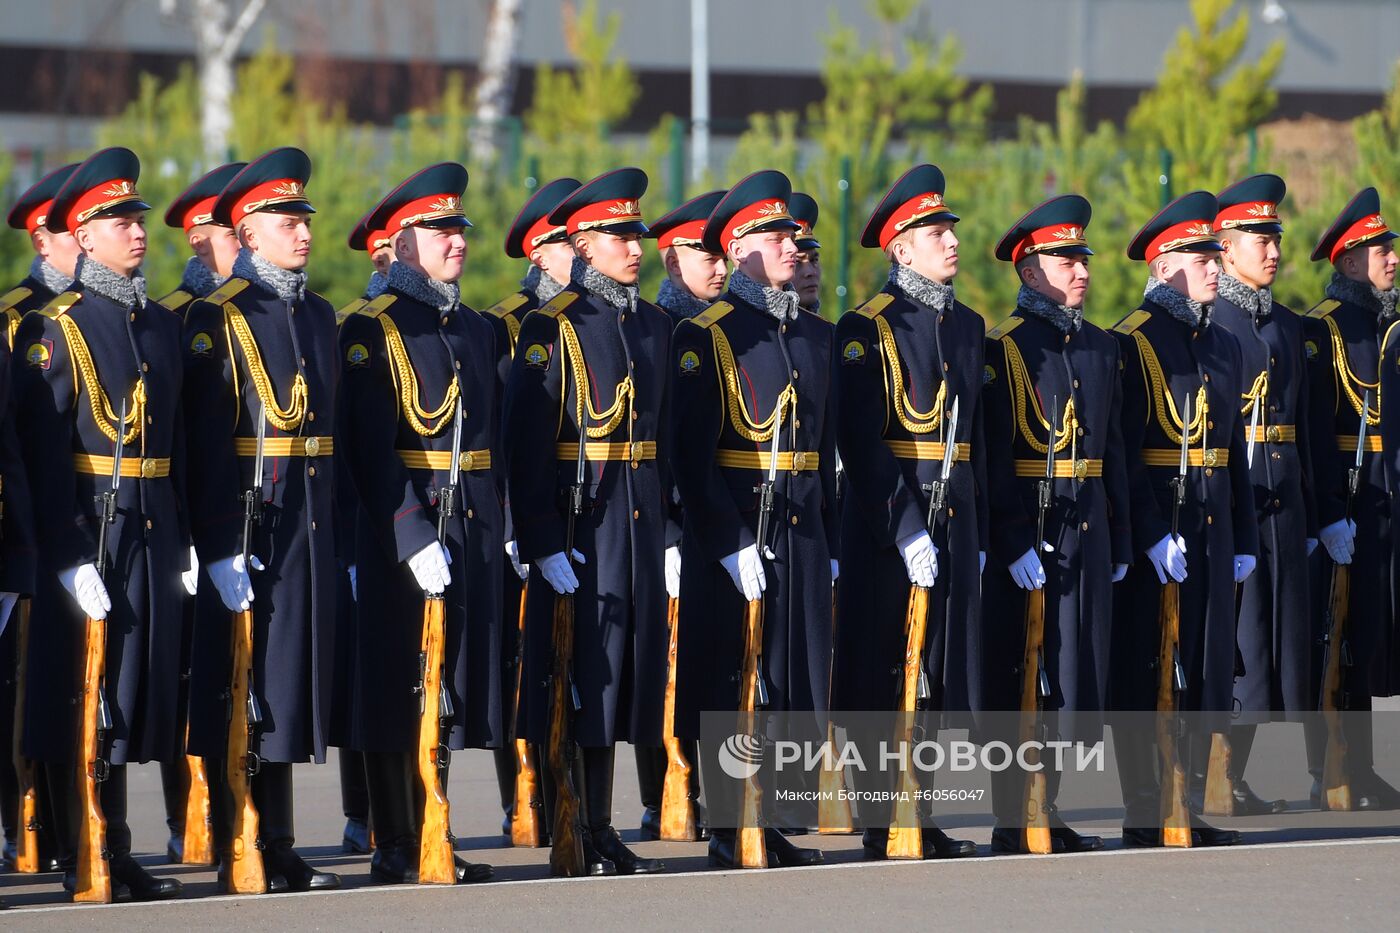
{"x":41,"y":271}
{"x":1191,"y":313}
{"x":608,"y":290}
{"x":781,"y":303}
{"x":543,"y":286}
{"x":198,"y":279}
{"x":94,"y":277}
{"x":925,"y":291}
{"x":1257,"y":304}
{"x":1063,"y":318}
{"x":284,"y":283}
{"x":377,"y":285}
{"x":1364,"y":294}
{"x":679,"y":301}
{"x":444,"y":296}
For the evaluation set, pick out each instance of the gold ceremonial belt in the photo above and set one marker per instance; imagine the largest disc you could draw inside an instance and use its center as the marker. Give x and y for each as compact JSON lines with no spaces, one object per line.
{"x":636,"y":451}
{"x":285,"y":446}
{"x":929,"y":450}
{"x":792,"y":461}
{"x":1276,"y":434}
{"x":1064,"y":469}
{"x":442,"y":459}
{"x":1171,"y":456}
{"x":1347,"y":442}
{"x":134,"y":467}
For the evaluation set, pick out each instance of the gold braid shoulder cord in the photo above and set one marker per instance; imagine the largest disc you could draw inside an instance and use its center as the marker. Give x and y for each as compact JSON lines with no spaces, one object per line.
{"x":1163,"y":403}
{"x":287,"y":420}
{"x":406,"y":381}
{"x":1020,"y":381}
{"x":622,"y":398}
{"x":910,"y":418}
{"x":757,"y":431}
{"x":102,"y":414}
{"x":1349,"y":380}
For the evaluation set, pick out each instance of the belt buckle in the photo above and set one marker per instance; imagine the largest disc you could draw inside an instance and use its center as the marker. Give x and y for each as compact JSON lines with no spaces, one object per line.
{"x":1081,"y":469}
{"x":148,"y":468}
{"x":1272,"y":434}
{"x":799,"y":461}
{"x":1208,"y":457}
{"x":313,"y":446}
{"x":466,"y":460}
{"x":634,"y":451}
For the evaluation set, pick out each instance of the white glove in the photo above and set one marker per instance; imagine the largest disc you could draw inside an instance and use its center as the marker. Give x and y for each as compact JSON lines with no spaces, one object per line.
{"x":1168,"y":558}
{"x":746,"y":570}
{"x":558,"y":572}
{"x":230,"y":578}
{"x":354,"y":588}
{"x":1311,"y":546}
{"x":1027,"y":570}
{"x":920,"y":558}
{"x":673,"y":572}
{"x":981,"y":562}
{"x":84,"y":584}
{"x":835,"y":569}
{"x":1340,"y":540}
{"x":1119,"y":572}
{"x":1244,"y":566}
{"x":429,"y":568}
{"x":513,"y":552}
{"x":191,"y":577}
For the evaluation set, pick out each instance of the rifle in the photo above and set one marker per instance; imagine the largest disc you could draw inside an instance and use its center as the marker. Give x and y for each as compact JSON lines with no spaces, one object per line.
{"x":245,"y":872}
{"x":525,"y":814}
{"x":199,"y":844}
{"x":677,"y":809}
{"x":1035,"y":683}
{"x":753,"y":691}
{"x":1171,"y":678}
{"x":27,"y":828}
{"x":566,"y":839}
{"x":94,"y":879}
{"x":833,"y":808}
{"x":906,"y":834}
{"x":1336,"y":783}
{"x":436,"y":864}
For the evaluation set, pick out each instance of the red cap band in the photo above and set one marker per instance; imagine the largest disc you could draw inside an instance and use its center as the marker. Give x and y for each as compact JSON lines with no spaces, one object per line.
{"x":754,"y":216}
{"x":604,"y":214}
{"x":200,"y":212}
{"x":1364,"y":229}
{"x":36,"y":217}
{"x":1176,"y":236}
{"x":540,"y":231}
{"x":1242,"y":215}
{"x":420,"y":210}
{"x":265,"y":195}
{"x":1057,"y":236}
{"x":914,"y":209}
{"x":689,"y":233}
{"x":109,"y":194}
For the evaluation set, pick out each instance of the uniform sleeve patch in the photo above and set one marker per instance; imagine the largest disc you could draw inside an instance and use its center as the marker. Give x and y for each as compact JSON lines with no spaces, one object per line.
{"x":689,"y":363}
{"x":357,"y":355}
{"x":40,"y":354}
{"x":853,"y":353}
{"x":201,"y":343}
{"x":989,"y":375}
{"x":1310,"y":348}
{"x":537,"y":356}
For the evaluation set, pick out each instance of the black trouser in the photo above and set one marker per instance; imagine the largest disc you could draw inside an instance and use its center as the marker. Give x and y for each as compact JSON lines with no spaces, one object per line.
{"x":394,"y":795}
{"x":354,"y":792}
{"x":592,"y":771}
{"x":67,"y":816}
{"x":272,"y":797}
{"x":1140,"y":771}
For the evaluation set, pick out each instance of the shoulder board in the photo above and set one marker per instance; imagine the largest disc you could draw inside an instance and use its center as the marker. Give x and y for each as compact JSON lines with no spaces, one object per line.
{"x":875,"y":306}
{"x":1005,"y":327}
{"x":556,"y":305}
{"x":378,"y":306}
{"x":711,"y":315}
{"x":350,"y":309}
{"x":507,"y":305}
{"x":227,"y":291}
{"x":1324,"y":308}
{"x":13,"y":297}
{"x":1132,"y":322}
{"x":175,"y":300}
{"x":60,"y":305}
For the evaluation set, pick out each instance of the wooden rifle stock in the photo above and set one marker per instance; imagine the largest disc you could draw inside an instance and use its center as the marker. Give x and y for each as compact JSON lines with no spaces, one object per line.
{"x":906,"y":836}
{"x":199,"y":843}
{"x":1176,"y":829}
{"x":566,"y":840}
{"x":94,"y":878}
{"x":525,"y":814}
{"x":1220,"y":797}
{"x":1336,"y":784}
{"x":1035,"y":811}
{"x":27,"y":828}
{"x":753,"y":851}
{"x":677,"y":809}
{"x":245,"y":871}
{"x":435,"y":860}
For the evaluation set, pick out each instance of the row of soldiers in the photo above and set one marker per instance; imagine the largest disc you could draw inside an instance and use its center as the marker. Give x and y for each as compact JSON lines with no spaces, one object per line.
{"x":669,"y":416}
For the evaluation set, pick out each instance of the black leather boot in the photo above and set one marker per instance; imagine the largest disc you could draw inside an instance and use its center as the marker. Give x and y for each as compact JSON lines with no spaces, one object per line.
{"x":272,"y":794}
{"x":651,"y":779}
{"x":354,"y":801}
{"x":1247,"y":802}
{"x":597,"y":808}
{"x":389,"y":782}
{"x":175,"y":789}
{"x":504,"y":759}
{"x":783,"y":854}
{"x":1135,"y":754}
{"x":125,"y":869}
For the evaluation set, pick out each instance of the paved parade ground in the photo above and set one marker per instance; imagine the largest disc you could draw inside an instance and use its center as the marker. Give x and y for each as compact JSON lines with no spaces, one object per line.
{"x":1298,"y":878}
